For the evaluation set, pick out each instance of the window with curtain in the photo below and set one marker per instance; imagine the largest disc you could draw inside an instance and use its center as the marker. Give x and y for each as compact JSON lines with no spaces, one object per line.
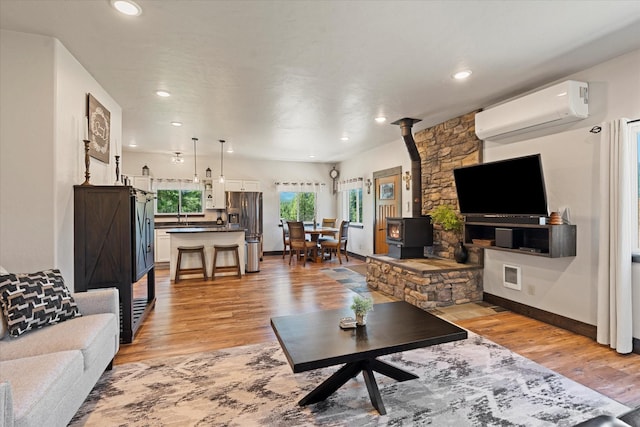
{"x":353,"y":200}
{"x":298,"y":201}
{"x":175,"y":196}
{"x":351,"y":190}
{"x":297,"y":206}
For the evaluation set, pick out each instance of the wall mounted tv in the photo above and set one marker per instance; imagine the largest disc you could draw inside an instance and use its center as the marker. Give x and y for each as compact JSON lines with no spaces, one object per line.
{"x":512,"y":187}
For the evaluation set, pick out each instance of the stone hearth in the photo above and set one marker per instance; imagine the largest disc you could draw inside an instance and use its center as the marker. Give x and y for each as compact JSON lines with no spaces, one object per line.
{"x":425,"y":283}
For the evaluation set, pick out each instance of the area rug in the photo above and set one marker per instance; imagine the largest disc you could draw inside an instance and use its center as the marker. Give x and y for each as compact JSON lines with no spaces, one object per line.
{"x":473,"y":382}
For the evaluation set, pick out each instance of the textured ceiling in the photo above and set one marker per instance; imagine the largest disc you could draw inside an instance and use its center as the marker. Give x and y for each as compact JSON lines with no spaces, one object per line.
{"x":287,"y":79}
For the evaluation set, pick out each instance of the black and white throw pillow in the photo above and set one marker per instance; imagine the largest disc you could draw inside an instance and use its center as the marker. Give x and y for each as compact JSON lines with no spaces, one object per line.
{"x":34,"y":300}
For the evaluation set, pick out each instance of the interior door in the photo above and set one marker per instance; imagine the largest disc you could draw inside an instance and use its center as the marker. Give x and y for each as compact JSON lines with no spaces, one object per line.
{"x":388,"y":204}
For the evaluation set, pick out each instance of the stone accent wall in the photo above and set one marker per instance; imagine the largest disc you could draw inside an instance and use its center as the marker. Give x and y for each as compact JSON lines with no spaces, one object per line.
{"x":425,"y":289}
{"x":442,"y":148}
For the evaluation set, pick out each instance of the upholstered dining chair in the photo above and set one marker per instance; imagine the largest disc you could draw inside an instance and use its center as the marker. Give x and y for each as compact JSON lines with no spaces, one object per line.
{"x":338,"y":245}
{"x":285,"y":236}
{"x":297,"y":241}
{"x":328,"y":222}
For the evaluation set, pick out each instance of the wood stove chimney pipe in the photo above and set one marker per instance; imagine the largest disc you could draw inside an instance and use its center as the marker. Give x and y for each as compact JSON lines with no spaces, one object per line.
{"x":416,"y":167}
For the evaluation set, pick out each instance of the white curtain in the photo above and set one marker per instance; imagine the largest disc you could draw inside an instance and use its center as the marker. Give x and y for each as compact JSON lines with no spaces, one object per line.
{"x":300,"y":187}
{"x":174,"y":184}
{"x":351,"y":184}
{"x":617,"y":181}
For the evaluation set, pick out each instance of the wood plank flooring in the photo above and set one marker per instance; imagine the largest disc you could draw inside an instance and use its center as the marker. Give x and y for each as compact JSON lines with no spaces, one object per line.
{"x":197,"y":315}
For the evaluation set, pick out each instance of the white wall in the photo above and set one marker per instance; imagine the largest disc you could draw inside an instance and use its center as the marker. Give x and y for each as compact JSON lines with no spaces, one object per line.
{"x":570,"y":157}
{"x":267,"y":172}
{"x":26,"y":151}
{"x":42,"y":156}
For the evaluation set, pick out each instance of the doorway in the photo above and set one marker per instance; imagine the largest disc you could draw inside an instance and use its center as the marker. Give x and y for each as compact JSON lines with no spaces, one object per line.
{"x":388,"y":203}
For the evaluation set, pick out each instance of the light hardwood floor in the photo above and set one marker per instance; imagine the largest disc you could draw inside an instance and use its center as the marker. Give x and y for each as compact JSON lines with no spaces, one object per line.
{"x":197,"y":315}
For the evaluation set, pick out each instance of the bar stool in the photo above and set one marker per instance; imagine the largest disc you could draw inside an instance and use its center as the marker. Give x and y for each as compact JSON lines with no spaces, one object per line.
{"x":235,"y":267}
{"x":190,"y":250}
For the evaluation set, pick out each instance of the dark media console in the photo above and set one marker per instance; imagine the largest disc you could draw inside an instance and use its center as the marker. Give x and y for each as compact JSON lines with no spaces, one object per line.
{"x":552,"y":241}
{"x":502,"y":219}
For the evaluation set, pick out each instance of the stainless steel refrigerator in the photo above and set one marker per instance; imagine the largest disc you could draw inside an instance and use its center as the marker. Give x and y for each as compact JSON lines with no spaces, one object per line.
{"x":245,"y":208}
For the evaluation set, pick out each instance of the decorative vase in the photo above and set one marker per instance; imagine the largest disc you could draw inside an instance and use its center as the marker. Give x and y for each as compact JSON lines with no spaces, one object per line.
{"x":361,"y":319}
{"x":460,"y":253}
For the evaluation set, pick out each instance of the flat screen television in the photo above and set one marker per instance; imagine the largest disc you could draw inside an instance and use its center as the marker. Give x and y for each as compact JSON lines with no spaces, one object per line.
{"x":512,"y":187}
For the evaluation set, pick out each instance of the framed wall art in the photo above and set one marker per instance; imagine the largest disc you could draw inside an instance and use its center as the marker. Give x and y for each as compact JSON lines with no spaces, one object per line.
{"x":99,"y":120}
{"x":387,"y":191}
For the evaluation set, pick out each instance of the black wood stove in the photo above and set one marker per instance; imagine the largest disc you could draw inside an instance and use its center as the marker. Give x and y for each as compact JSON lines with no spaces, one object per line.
{"x":407,"y":237}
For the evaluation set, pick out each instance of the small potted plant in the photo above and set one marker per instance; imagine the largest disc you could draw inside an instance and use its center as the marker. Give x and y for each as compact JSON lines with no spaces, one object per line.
{"x":450,"y":221}
{"x":361,"y":306}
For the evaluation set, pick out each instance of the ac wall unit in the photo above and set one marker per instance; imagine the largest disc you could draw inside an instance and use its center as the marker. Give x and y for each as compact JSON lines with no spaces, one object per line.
{"x":558,"y":104}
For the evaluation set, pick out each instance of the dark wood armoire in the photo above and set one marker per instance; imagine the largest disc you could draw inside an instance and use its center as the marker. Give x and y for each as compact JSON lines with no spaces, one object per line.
{"x":113,"y":247}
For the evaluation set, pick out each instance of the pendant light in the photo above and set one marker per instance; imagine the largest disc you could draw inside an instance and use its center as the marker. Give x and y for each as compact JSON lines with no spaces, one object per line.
{"x":221,"y":161}
{"x":177,"y":158}
{"x":195,"y":166}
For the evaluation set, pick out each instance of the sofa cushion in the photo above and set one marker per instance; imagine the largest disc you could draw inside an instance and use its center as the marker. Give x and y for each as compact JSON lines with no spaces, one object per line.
{"x":30,"y":301}
{"x":39,"y":382}
{"x":81,"y":333}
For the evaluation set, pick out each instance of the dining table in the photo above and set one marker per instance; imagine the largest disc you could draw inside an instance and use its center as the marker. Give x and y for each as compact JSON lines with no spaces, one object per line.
{"x":315,"y":232}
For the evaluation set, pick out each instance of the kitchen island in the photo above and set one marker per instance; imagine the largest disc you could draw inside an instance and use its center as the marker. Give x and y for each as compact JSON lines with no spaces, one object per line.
{"x":206,"y":236}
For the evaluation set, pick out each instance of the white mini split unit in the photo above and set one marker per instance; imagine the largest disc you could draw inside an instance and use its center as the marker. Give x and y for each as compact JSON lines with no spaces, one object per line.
{"x":555,"y":105}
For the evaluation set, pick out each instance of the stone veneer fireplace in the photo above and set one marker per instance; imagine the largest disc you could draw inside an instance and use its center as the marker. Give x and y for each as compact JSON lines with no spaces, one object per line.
{"x":429,"y":283}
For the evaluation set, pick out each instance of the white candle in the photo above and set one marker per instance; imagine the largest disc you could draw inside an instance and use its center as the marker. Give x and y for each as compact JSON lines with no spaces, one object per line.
{"x":86,"y":128}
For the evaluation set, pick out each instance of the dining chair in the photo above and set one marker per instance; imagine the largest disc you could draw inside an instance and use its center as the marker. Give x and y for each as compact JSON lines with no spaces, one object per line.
{"x":328,"y":222}
{"x":285,"y":236}
{"x":297,"y":241}
{"x":338,"y":245}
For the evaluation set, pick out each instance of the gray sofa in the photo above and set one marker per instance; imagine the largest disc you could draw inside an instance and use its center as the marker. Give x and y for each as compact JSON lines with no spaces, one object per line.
{"x":46,"y":374}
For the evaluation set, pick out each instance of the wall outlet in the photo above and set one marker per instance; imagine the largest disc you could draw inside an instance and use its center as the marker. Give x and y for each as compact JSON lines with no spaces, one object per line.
{"x":512,"y":277}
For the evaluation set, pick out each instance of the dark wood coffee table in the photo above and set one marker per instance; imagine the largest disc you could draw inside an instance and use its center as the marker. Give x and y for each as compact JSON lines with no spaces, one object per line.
{"x":314,"y":340}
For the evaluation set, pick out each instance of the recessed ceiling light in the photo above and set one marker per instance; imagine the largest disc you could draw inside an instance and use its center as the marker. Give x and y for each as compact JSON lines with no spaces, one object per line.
{"x":163,"y":93}
{"x":176,"y":124}
{"x":562,"y":94}
{"x":127,"y":7}
{"x":461,"y":75}
{"x":311,"y":156}
{"x":133,"y":145}
{"x":381,"y":119}
{"x":230,"y":149}
{"x":344,"y":138}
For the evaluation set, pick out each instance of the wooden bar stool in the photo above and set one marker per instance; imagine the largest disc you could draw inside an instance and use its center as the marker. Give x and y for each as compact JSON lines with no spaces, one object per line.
{"x":190,"y":250}
{"x":235,"y":267}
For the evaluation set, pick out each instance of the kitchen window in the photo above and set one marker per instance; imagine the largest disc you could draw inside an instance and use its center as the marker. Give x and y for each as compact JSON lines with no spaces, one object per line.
{"x":174,"y":197}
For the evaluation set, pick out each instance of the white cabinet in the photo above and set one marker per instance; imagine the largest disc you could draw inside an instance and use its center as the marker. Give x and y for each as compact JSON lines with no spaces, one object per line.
{"x":163,"y":246}
{"x":241,"y":185}
{"x":143,"y":182}
{"x":213,"y":194}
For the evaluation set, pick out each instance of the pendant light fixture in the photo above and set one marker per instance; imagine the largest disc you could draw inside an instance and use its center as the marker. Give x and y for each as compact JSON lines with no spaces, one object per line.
{"x":177,"y":158}
{"x":195,"y":165}
{"x":221,"y":161}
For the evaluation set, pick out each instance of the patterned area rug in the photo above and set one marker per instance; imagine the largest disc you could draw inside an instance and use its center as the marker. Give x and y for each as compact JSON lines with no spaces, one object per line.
{"x":474,"y":382}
